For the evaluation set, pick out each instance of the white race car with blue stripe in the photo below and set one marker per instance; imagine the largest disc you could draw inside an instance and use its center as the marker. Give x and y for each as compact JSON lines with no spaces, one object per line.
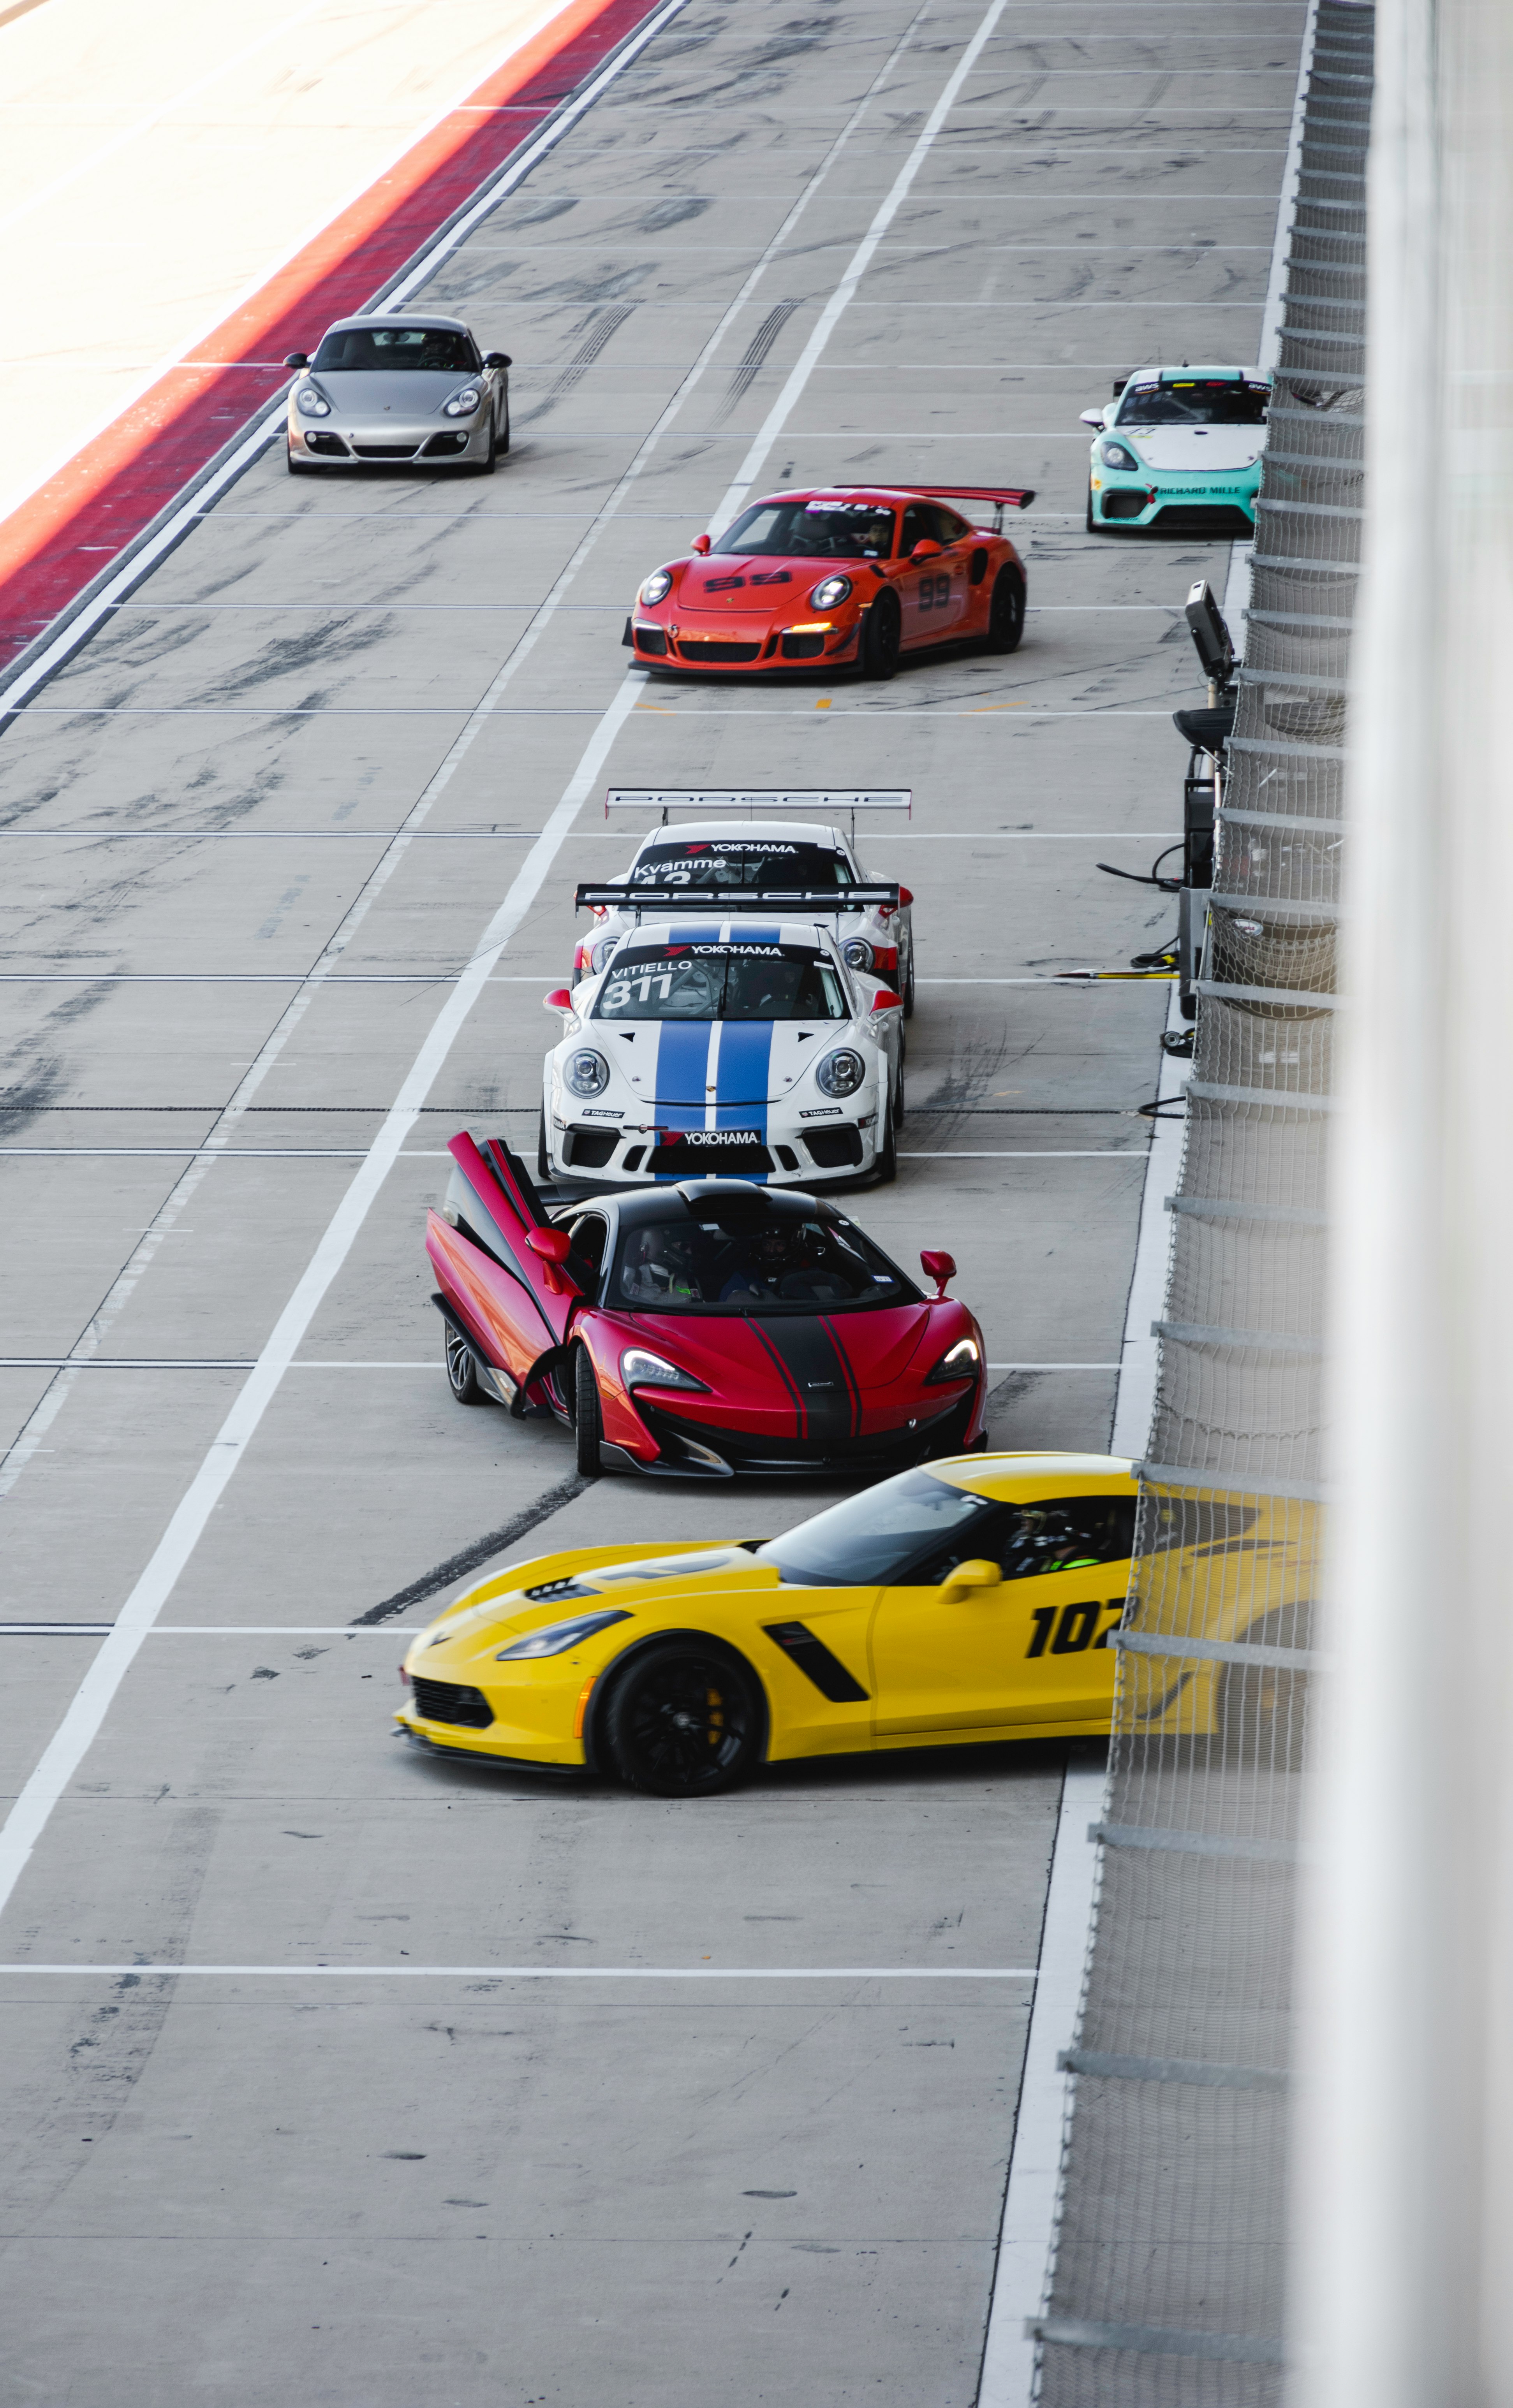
{"x":745,"y":1047}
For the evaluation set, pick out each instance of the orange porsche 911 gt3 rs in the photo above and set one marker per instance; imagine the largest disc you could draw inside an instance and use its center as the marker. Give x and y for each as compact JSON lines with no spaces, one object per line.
{"x":849,"y":575}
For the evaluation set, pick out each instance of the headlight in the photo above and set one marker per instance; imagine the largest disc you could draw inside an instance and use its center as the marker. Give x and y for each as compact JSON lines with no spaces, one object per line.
{"x":585,"y":1073}
{"x":656,"y":588}
{"x":313,"y":404}
{"x":963,"y":1361}
{"x":639,"y":1370}
{"x":829,"y":591}
{"x":1113,"y":455}
{"x":558,"y":1637}
{"x":463,"y":405}
{"x":840,"y":1073}
{"x":858,"y":953}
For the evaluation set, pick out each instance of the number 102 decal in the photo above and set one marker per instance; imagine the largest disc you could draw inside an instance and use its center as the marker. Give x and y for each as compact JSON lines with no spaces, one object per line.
{"x":1073,"y":1626}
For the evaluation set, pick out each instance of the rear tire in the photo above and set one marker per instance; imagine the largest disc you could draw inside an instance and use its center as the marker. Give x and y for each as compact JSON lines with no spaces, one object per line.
{"x":909,"y":987}
{"x":1006,"y":613}
{"x":587,"y":1422}
{"x":462,"y":1371}
{"x":684,"y":1721}
{"x":882,"y":636}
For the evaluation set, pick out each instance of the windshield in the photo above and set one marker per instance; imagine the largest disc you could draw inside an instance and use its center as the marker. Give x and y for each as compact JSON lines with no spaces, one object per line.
{"x":1217,"y":401}
{"x":878,"y":1535}
{"x":733,"y":982}
{"x":812,"y":531}
{"x":749,"y":862}
{"x":745,"y":1260}
{"x":439,"y":348}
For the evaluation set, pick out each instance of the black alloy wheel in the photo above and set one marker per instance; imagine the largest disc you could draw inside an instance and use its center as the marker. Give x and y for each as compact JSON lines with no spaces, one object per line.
{"x":684,"y":1721}
{"x":882,"y":636}
{"x":587,"y":1421}
{"x":1260,"y":1711}
{"x":462,"y":1371}
{"x":1006,"y":613}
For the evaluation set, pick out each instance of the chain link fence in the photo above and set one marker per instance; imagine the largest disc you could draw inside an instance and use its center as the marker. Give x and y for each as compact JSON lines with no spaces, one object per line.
{"x":1167,"y":2286}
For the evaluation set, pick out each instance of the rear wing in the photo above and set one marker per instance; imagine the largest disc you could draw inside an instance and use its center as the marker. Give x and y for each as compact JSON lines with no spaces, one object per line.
{"x":1003,"y":497}
{"x":794,"y":802}
{"x":802,"y":902}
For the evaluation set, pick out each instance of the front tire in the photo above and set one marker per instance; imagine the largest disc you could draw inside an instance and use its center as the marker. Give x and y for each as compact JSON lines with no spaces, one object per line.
{"x":684,"y":1721}
{"x":462,"y":1371}
{"x":587,"y":1421}
{"x":1092,"y":525}
{"x":543,"y":1161}
{"x":485,"y":468}
{"x":1006,"y":611}
{"x":295,"y":467}
{"x":504,"y":431}
{"x":886,"y":1164}
{"x":909,"y":987}
{"x":882,"y":637}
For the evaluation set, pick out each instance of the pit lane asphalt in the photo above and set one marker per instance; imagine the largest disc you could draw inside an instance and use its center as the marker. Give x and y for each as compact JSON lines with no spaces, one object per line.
{"x":373,"y":2188}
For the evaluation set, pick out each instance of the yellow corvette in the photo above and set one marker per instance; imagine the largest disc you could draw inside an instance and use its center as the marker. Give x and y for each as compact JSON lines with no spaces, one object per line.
{"x":967,"y":1599}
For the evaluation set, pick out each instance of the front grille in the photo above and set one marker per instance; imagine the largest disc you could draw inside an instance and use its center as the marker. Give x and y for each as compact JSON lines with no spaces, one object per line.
{"x":449,"y":1701}
{"x":802,"y":648}
{"x":385,"y":450}
{"x":590,"y":1149}
{"x":834,"y":1148}
{"x":687,"y":1159}
{"x":1124,"y":505}
{"x":439,"y":445}
{"x":333,"y":444}
{"x":694,"y":648}
{"x":653,"y":640}
{"x":1203,"y":518}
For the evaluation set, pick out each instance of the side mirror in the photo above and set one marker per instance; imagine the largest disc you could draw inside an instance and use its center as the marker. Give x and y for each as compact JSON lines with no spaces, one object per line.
{"x":925,"y":549}
{"x":702,"y":545}
{"x":297,"y":359}
{"x":940,"y":1268}
{"x":969,"y":1579}
{"x":905,"y":894}
{"x":497,"y":358}
{"x":558,"y":1000}
{"x":885,"y":1000}
{"x":553,"y":1245}
{"x":1090,"y":417}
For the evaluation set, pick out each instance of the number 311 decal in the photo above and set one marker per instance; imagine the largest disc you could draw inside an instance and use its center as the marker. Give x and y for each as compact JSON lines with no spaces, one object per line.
{"x":1074,"y":1627}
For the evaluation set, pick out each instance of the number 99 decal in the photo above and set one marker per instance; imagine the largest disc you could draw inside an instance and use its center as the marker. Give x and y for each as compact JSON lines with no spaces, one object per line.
{"x":1075,"y":1627}
{"x":934,"y":592}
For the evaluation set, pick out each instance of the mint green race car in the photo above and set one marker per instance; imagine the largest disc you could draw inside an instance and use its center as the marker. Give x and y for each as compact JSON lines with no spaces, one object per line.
{"x":1178,"y":451}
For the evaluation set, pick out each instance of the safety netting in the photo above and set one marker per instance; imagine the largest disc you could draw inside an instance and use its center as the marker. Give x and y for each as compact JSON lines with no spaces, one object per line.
{"x":1167,"y":2282}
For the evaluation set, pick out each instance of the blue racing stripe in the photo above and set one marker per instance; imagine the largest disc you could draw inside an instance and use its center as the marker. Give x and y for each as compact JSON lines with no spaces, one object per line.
{"x":682,"y":1049}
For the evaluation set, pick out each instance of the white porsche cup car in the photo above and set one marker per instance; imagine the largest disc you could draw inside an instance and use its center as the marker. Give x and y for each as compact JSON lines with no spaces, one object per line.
{"x":742,"y":1046}
{"x":1178,"y":451}
{"x":395,"y":389}
{"x":723,"y":862}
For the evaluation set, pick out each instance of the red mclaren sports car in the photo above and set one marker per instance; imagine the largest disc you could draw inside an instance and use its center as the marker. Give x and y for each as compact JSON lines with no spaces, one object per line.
{"x":850,"y":575}
{"x":702,"y":1329}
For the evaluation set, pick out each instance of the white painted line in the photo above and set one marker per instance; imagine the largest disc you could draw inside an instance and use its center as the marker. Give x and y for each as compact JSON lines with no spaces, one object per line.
{"x":92,"y":1700}
{"x":845,"y":291}
{"x":1034,"y":2168}
{"x":551,"y":1972}
{"x":1147,"y":1283}
{"x":1052,"y":1367}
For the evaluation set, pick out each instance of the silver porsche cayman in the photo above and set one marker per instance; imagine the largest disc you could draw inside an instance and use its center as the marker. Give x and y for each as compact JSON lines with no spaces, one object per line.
{"x":406,"y":388}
